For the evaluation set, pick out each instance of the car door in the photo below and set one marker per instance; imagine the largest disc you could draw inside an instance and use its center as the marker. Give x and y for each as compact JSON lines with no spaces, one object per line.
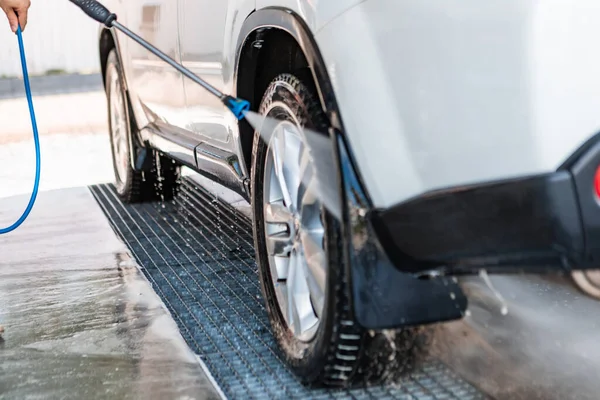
{"x":204,"y":48}
{"x":156,"y":85}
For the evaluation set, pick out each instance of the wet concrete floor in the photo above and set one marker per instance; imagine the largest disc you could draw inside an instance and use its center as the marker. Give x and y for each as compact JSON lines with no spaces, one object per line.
{"x":80,"y":320}
{"x":546,"y":347}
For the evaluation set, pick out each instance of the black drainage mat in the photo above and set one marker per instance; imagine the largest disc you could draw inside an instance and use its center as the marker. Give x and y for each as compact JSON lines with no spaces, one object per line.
{"x":198,"y":254}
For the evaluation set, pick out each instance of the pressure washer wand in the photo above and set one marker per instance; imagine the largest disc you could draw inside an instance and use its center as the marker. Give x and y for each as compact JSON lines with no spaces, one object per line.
{"x":98,"y":12}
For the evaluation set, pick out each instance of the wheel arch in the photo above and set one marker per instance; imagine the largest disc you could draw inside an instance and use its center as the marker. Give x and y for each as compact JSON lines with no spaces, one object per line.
{"x":106,"y":42}
{"x":274,"y":41}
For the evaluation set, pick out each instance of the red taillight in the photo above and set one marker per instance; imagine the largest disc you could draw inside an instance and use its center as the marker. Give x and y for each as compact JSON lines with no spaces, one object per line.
{"x":597,"y":182}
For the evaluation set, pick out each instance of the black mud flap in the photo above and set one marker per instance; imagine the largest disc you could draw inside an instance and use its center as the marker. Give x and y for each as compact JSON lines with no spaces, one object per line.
{"x":383,"y":296}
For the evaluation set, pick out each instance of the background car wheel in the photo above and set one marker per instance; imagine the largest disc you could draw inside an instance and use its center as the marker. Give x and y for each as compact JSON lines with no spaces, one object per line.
{"x":300,"y":255}
{"x":161,"y":182}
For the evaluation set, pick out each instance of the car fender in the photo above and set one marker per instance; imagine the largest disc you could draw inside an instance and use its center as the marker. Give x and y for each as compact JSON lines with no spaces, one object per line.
{"x":315,"y":14}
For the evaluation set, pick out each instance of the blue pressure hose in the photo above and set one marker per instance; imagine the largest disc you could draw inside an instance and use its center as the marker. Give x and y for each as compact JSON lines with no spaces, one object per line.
{"x":36,"y":140}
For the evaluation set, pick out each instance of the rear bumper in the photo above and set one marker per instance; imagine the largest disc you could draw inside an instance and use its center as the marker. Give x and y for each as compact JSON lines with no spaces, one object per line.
{"x":543,"y":222}
{"x":403,"y":259}
{"x":518,"y":223}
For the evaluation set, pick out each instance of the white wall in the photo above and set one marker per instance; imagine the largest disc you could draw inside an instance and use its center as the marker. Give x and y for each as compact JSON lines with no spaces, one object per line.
{"x":58,"y":36}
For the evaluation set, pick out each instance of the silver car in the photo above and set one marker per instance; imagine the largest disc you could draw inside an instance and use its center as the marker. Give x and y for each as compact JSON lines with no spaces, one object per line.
{"x":413,"y":141}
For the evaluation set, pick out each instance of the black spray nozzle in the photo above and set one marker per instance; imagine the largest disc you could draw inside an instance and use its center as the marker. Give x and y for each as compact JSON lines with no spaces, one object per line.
{"x":238,"y":107}
{"x":96,"y":11}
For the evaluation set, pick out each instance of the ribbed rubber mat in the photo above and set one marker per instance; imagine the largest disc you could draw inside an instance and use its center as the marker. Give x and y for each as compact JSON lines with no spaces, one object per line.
{"x":197,"y":252}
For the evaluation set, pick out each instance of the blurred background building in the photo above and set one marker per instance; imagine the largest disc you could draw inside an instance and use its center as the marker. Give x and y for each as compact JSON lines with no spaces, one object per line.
{"x":58,"y":39}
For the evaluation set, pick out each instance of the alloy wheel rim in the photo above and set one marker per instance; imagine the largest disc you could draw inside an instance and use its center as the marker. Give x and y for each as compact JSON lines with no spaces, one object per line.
{"x":118,"y":127}
{"x":294,"y":231}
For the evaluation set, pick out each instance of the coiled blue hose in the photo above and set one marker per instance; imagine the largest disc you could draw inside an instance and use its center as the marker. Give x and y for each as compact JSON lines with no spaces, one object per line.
{"x":36,"y":140}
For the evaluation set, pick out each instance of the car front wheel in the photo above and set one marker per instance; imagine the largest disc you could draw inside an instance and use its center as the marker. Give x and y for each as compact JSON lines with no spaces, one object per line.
{"x":299,"y":252}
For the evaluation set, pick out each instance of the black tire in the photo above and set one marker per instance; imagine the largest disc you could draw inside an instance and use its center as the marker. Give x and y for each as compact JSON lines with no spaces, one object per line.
{"x":160,"y":181}
{"x":341,"y":353}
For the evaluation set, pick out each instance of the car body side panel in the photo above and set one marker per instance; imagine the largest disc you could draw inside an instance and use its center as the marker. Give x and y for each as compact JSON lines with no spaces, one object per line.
{"x":437,"y":94}
{"x":157,"y":86}
{"x":209,"y":30}
{"x":155,"y":90}
{"x":202,"y":33}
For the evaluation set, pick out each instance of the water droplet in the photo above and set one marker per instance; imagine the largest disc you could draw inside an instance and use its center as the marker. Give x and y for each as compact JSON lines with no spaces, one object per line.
{"x":503,"y":307}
